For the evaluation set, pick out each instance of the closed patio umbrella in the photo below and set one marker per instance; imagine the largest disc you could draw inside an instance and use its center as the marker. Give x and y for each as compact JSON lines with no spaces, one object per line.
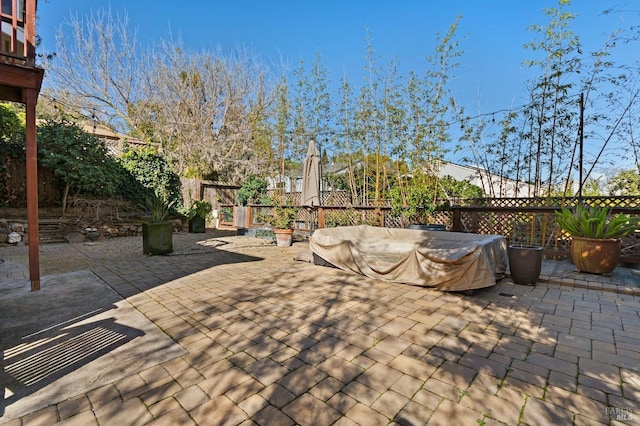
{"x":311,"y":177}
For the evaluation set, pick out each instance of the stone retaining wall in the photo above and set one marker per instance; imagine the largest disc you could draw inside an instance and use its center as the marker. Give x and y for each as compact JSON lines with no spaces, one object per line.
{"x":73,"y":231}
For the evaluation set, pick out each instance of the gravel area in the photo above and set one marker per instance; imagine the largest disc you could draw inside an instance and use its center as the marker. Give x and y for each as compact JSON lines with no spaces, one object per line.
{"x":183,"y":244}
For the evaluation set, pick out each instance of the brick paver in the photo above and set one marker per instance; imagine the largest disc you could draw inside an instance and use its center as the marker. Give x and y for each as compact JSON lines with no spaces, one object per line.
{"x":274,"y":341}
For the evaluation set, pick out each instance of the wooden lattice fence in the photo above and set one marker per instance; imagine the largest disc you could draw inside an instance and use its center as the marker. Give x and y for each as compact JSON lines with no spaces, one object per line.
{"x":521,"y":220}
{"x":533,"y":221}
{"x":329,"y":198}
{"x":617,"y":202}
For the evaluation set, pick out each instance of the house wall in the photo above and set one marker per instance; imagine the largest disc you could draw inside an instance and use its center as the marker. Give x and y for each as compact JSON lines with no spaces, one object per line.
{"x":491,"y":185}
{"x":288,"y":183}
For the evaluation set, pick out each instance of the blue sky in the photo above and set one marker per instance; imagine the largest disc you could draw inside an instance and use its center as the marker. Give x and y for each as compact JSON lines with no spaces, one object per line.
{"x":492,"y":33}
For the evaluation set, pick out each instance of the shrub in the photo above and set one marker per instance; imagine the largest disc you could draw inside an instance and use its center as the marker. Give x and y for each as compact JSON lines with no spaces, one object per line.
{"x":253,"y":188}
{"x":150,"y":176}
{"x":79,"y":160}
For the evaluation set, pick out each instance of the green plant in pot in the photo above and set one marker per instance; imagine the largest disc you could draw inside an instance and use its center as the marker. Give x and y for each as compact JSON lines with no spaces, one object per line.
{"x":197,"y":213}
{"x":415,"y":202}
{"x":157,"y":234}
{"x":595,"y":236}
{"x":282,"y":219}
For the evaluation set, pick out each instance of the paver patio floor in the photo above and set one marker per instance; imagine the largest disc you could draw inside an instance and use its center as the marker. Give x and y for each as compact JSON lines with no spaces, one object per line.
{"x":272,"y":341}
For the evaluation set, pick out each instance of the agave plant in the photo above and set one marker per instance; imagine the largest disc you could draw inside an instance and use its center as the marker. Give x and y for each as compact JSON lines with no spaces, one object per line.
{"x":596,"y":222}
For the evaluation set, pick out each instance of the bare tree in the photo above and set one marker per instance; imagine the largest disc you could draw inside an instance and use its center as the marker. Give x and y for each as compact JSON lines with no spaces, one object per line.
{"x":98,"y":69}
{"x":208,"y":110}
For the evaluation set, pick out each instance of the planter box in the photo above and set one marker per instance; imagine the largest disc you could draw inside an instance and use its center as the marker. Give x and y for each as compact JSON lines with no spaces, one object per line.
{"x":197,"y":225}
{"x":157,"y":238}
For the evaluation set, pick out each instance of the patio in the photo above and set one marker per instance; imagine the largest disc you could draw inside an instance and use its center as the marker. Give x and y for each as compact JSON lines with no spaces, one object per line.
{"x":257,"y":338}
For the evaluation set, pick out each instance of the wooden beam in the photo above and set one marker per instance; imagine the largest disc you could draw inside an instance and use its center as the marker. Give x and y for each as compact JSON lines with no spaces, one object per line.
{"x":32,"y":189}
{"x":10,"y":93}
{"x":30,"y":29}
{"x":21,"y":82}
{"x":20,"y":76}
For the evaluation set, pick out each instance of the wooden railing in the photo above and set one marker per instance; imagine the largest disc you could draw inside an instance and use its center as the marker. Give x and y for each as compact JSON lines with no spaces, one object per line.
{"x":533,"y":226}
{"x":526,"y":224}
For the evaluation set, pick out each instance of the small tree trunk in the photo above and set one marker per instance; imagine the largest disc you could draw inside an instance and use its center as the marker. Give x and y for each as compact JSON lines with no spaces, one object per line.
{"x":65,"y":195}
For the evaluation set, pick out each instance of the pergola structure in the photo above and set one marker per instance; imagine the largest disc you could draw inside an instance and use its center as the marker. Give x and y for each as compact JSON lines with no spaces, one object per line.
{"x":20,"y":81}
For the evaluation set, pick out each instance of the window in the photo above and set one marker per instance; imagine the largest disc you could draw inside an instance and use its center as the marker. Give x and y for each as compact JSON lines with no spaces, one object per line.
{"x":5,"y":45}
{"x":12,"y":39}
{"x":7,"y":7}
{"x":20,"y":41}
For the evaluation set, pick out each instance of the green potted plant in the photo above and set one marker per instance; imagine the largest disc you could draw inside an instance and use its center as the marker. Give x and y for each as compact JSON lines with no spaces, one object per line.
{"x":595,"y":236}
{"x":415,"y":202}
{"x":157,"y":234}
{"x":282,"y":220}
{"x":197,"y":213}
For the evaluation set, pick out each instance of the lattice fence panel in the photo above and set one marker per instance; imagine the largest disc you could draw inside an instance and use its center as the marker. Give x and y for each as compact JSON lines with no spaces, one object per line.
{"x":439,"y":217}
{"x":443,"y":217}
{"x":377,"y":203}
{"x":391,"y":221}
{"x":609,"y":202}
{"x":306,"y":219}
{"x":529,"y":228}
{"x":329,"y":198}
{"x":353,"y":217}
{"x":539,"y":227}
{"x":336,"y":198}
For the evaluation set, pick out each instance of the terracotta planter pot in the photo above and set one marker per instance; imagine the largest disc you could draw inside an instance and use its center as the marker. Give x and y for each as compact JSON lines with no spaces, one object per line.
{"x":597,"y":256}
{"x":284,"y":237}
{"x":525,"y":263}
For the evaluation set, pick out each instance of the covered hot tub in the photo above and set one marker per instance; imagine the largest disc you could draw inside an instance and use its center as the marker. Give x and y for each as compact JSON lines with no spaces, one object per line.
{"x":450,"y":261}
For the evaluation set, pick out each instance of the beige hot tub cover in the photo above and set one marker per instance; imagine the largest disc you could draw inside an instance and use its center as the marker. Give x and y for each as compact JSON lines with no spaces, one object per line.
{"x":449,"y":261}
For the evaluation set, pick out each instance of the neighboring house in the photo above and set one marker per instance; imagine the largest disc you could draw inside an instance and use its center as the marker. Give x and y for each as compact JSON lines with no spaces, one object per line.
{"x":492,"y":185}
{"x":285,"y":183}
{"x":114,"y":140}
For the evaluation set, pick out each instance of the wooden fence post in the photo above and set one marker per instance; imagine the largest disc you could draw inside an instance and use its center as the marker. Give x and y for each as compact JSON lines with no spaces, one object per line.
{"x":320,"y":217}
{"x":457,"y":219}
